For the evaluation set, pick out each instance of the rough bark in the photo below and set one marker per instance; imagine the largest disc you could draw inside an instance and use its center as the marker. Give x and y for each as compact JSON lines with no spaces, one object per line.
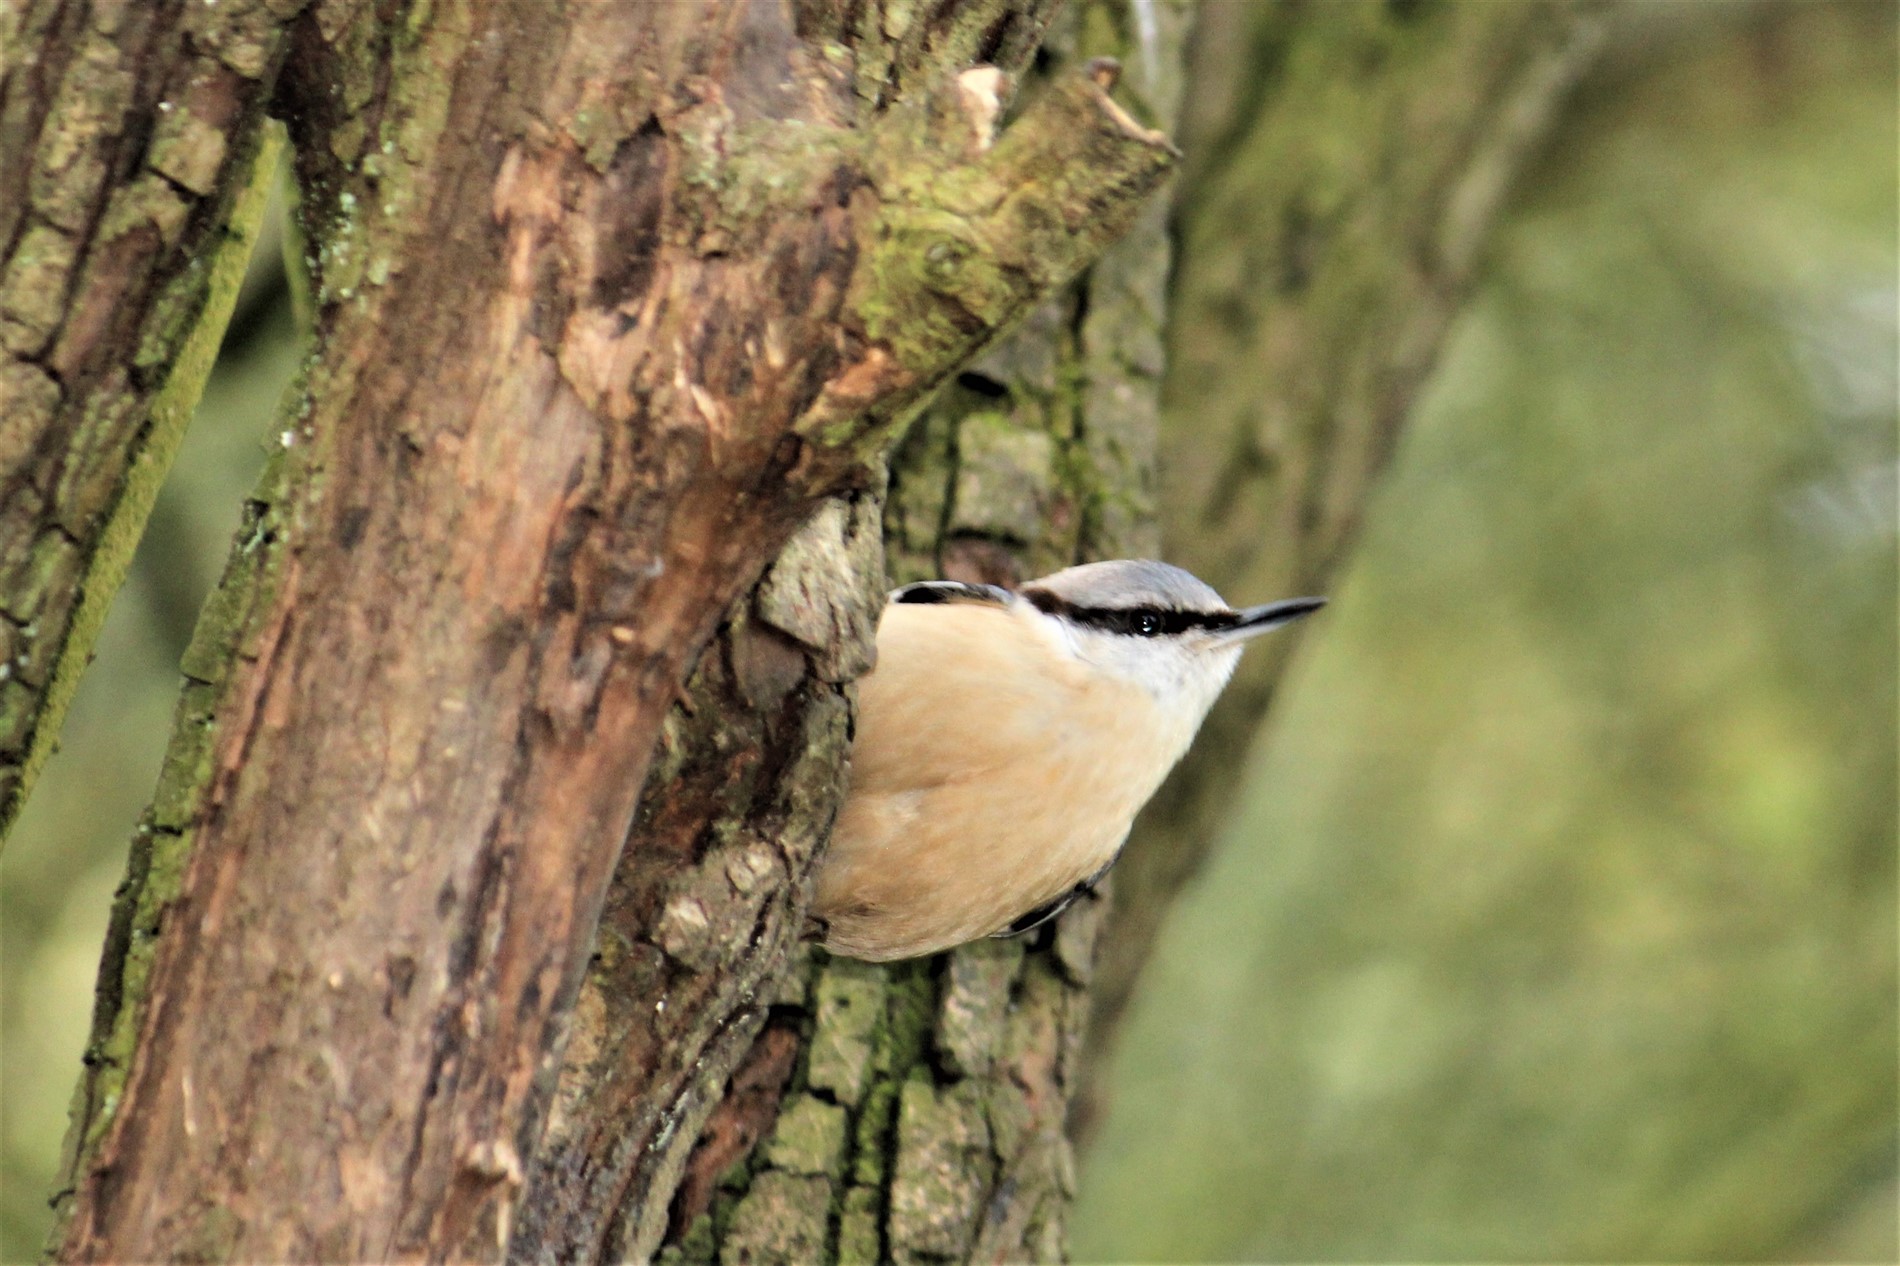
{"x":134,"y":160}
{"x":852,"y":1112}
{"x":1345,"y":164}
{"x":606,"y":304}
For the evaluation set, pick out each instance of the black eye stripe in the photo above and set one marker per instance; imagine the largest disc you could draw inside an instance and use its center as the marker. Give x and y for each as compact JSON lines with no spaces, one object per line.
{"x":1143,"y":621}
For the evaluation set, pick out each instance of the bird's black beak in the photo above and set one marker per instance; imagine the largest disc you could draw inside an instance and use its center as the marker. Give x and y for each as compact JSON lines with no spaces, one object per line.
{"x":1254,"y":621}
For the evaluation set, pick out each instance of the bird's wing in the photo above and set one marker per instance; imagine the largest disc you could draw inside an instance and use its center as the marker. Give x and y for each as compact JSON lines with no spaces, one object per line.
{"x":938,"y":591}
{"x":1050,"y":909}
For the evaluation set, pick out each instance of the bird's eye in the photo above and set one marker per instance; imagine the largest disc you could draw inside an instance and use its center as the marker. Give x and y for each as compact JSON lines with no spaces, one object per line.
{"x":1147,"y":623}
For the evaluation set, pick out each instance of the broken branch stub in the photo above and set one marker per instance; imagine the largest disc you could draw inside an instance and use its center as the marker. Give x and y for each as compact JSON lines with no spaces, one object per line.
{"x":955,"y":256}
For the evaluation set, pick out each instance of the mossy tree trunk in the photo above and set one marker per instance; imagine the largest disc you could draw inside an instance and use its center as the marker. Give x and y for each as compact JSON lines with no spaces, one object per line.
{"x":133,"y":164}
{"x":859,"y":1113}
{"x":607,"y":304}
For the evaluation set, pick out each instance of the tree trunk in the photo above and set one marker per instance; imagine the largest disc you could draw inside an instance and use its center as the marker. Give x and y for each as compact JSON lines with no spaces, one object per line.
{"x":134,"y":162}
{"x":861,"y":1112}
{"x":606,"y":305}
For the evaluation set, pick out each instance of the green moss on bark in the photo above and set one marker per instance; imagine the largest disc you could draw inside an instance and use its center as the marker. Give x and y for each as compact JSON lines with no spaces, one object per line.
{"x":179,"y":338}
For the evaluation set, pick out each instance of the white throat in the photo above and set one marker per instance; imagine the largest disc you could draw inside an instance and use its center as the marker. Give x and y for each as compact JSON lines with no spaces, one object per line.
{"x":1184,"y":675}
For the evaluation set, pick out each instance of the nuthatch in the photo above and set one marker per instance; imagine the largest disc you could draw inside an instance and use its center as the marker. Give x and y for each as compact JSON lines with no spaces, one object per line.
{"x":1005,"y":742}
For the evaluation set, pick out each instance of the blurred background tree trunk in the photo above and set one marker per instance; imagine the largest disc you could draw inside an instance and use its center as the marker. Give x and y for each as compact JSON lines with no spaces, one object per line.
{"x":1555,"y":920}
{"x":1346,"y":165}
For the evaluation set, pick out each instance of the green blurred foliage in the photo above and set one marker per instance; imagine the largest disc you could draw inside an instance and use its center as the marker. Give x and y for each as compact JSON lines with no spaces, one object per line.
{"x":1559,"y":923}
{"x":67,"y":852}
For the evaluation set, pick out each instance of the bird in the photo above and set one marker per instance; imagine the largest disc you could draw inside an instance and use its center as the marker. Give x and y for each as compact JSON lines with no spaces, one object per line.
{"x":1005,"y":741}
